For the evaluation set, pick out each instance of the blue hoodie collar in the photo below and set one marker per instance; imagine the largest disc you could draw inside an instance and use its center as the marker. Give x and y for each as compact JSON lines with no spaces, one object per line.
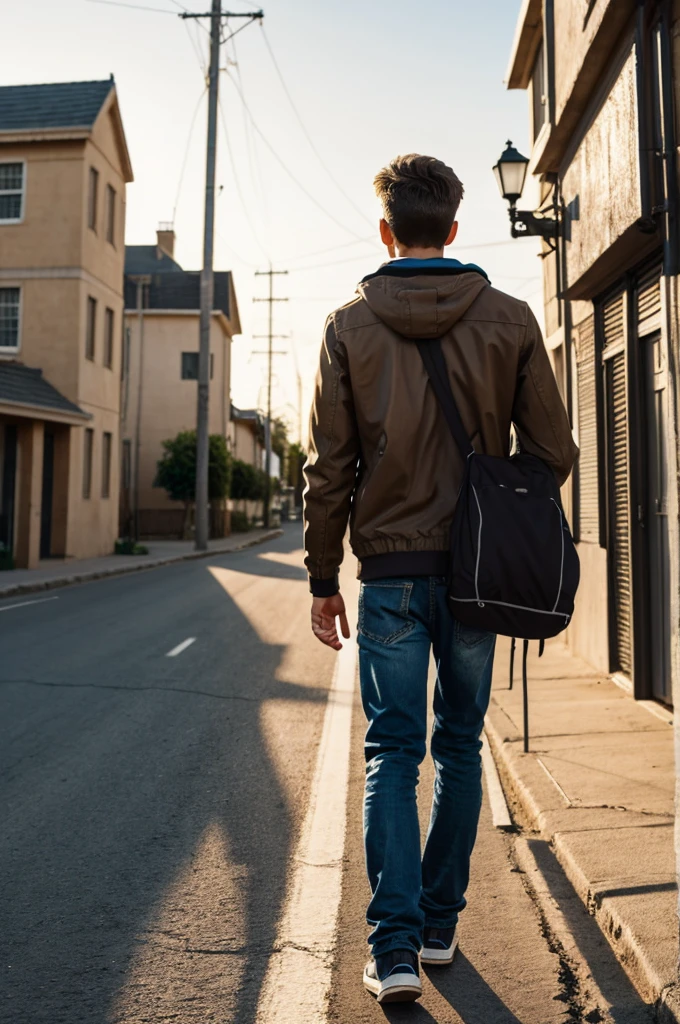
{"x":437,"y":263}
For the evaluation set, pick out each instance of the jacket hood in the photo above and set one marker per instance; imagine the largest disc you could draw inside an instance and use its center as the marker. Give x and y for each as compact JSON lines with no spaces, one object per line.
{"x":422,"y":298}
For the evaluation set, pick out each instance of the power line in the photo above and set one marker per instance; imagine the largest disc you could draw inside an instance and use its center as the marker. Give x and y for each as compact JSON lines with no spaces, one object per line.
{"x":306,"y":134}
{"x":253,"y":163}
{"x":322,"y":252}
{"x":286,"y":168}
{"x":135,"y":7}
{"x":238,"y":184}
{"x":186,"y":153}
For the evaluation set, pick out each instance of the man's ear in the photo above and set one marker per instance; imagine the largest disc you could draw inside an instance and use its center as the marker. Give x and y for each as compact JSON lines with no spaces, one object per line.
{"x":387,"y":237}
{"x":452,"y":233}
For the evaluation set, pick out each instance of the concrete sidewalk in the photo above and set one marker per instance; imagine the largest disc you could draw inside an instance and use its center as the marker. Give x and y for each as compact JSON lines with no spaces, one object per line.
{"x":63,"y":572}
{"x":599,"y":784}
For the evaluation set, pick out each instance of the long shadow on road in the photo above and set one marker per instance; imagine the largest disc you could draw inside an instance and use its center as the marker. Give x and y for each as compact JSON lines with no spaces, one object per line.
{"x":146,"y":842}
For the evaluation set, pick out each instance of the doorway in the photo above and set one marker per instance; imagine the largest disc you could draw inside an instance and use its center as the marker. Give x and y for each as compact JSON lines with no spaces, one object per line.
{"x":655,"y":538}
{"x":8,"y":469}
{"x":47,"y":494}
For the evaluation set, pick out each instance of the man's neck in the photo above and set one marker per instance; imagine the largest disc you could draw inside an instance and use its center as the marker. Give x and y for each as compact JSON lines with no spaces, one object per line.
{"x":420,"y":254}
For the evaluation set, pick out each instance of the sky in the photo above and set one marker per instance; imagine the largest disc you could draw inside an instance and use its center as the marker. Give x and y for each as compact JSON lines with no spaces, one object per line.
{"x":312,"y":104}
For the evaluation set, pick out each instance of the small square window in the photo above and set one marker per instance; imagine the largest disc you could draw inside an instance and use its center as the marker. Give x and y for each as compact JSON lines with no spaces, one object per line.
{"x":108,"y":337}
{"x":190,"y":365}
{"x":9,"y":317}
{"x":92,"y":199}
{"x":90,"y":327}
{"x":11,"y":193}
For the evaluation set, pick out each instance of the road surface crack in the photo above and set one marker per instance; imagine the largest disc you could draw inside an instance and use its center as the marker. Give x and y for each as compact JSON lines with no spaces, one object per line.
{"x":57,"y":684}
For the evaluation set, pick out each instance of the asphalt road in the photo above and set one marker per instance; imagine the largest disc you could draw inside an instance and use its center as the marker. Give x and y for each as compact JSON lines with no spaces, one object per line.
{"x":152,"y":804}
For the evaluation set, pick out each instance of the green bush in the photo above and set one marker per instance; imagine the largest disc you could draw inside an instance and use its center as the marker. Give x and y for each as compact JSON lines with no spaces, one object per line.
{"x":239,"y":522}
{"x":247,"y":482}
{"x":6,"y":559}
{"x":128,"y":547}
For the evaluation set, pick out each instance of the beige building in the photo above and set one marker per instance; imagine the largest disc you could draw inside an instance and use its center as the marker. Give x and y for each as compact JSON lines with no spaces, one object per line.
{"x":64,"y":166}
{"x":159,"y":392}
{"x":603,"y":83}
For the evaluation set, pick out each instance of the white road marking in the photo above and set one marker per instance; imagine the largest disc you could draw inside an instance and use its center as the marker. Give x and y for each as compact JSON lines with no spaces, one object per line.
{"x":500,"y":814}
{"x":181,"y":647}
{"x":297,"y":982}
{"x":24,"y":604}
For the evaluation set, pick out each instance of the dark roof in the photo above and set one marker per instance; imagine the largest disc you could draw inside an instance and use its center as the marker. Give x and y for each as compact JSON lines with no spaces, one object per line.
{"x":26,"y":386}
{"x":246,"y":415}
{"x":178,"y":290}
{"x":148,"y":259}
{"x":62,"y":105}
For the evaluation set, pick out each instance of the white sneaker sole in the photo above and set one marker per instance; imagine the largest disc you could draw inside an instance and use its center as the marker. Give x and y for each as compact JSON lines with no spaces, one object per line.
{"x":398,"y":988}
{"x":439,"y":957}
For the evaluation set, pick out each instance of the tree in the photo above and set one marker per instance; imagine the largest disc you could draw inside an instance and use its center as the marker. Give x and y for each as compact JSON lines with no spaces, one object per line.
{"x":176,"y":471}
{"x":247,"y":482}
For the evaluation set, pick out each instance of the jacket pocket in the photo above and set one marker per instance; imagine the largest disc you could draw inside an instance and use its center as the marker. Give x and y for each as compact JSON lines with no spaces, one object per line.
{"x":384,"y":611}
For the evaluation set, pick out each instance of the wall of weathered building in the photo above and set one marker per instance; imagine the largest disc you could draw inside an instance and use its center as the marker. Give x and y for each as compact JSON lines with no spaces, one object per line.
{"x":601,"y":182}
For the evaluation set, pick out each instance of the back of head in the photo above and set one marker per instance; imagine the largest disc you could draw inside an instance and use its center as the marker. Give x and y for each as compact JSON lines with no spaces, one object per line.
{"x":420,"y":196}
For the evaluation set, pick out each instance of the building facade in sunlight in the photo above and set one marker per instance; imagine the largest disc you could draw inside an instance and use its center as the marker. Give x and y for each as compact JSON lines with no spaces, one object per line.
{"x":603,"y":86}
{"x":160,"y":373}
{"x":64,"y":166}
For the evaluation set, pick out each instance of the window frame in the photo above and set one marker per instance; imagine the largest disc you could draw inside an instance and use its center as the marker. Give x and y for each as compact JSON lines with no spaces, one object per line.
{"x":13,"y":191}
{"x":88,"y":460}
{"x":13,"y":349}
{"x":92,"y":198}
{"x":90,"y":350}
{"x":109,"y":332}
{"x":110,"y":224}
{"x":107,"y":452}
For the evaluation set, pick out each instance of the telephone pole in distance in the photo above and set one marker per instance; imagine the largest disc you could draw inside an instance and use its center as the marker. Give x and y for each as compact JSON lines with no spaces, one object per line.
{"x":271,"y":274}
{"x":207,"y":278}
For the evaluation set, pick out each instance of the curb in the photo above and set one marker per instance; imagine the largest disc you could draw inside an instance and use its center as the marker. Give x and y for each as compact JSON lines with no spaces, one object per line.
{"x":35,"y":586}
{"x":665,"y":999}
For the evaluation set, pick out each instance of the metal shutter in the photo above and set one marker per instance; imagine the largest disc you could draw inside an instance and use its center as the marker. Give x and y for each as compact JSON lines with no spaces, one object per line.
{"x":618,"y":479}
{"x":589,"y":510}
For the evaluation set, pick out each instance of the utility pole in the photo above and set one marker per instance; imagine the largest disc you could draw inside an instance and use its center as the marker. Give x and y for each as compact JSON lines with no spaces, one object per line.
{"x":270,"y":353}
{"x":207,"y":278}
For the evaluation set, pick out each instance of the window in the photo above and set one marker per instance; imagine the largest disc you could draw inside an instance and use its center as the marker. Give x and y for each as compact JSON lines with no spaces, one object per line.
{"x":11,"y":193}
{"x":90,"y":327}
{"x":87,"y":462}
{"x":190,"y":365}
{"x":539,"y":99}
{"x":9,"y":318}
{"x":110,"y":215}
{"x":108,"y":337}
{"x":106,"y":464}
{"x":92,"y":199}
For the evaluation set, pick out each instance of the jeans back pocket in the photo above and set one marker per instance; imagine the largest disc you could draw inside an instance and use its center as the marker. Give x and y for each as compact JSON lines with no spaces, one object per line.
{"x":384,"y":611}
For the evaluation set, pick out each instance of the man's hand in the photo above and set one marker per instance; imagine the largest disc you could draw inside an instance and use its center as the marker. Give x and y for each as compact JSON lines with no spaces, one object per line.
{"x":324,"y":612}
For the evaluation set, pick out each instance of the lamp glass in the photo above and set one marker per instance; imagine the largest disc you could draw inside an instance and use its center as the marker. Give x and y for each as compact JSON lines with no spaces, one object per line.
{"x":511,"y":172}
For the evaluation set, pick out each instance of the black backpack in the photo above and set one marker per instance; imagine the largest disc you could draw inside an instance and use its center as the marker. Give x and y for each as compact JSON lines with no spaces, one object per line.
{"x":514,"y":567}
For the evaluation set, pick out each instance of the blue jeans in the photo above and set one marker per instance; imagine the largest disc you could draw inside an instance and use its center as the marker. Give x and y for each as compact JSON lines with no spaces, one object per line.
{"x":400,"y":621}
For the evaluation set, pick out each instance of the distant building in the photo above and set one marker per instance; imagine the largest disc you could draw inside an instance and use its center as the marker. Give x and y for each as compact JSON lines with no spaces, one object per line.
{"x":64,"y":165}
{"x":159,"y":392}
{"x":604,"y":100}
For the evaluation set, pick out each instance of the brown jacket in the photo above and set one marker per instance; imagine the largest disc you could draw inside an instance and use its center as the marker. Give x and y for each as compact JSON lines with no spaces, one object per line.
{"x":381,"y":455}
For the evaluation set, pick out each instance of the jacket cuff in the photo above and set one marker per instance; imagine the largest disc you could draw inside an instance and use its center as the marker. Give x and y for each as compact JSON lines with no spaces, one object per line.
{"x":324,"y":588}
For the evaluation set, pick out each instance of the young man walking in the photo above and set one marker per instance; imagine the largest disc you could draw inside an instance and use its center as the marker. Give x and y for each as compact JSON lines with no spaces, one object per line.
{"x":382,"y":458}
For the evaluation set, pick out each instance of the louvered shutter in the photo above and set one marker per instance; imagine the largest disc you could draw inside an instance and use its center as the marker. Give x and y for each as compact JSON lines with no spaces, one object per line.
{"x":619,"y":487}
{"x":589,"y":510}
{"x":649,"y":300}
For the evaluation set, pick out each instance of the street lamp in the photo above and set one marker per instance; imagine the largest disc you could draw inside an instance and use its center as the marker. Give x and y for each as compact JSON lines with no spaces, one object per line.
{"x":511,"y":172}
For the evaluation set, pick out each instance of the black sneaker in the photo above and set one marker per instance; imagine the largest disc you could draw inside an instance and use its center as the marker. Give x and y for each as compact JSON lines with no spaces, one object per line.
{"x":394,"y":977}
{"x":439,"y":945}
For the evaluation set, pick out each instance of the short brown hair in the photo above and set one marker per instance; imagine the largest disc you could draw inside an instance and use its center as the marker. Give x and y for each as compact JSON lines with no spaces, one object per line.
{"x":420,"y":196}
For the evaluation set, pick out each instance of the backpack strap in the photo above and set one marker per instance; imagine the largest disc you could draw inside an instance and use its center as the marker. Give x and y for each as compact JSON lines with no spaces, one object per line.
{"x":433,"y":359}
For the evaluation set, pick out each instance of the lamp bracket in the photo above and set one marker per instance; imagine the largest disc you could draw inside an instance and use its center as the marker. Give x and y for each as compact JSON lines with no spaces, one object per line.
{"x":524,"y":223}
